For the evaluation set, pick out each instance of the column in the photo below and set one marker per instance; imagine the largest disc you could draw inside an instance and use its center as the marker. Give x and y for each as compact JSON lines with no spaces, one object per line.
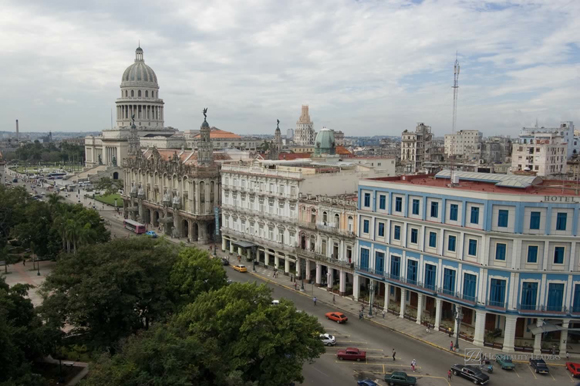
{"x":298,"y":268}
{"x":564,"y":337}
{"x":538,"y":338}
{"x":231,"y":241}
{"x":403,"y":302}
{"x":240,"y":252}
{"x":318,"y":274}
{"x":330,"y":278}
{"x":286,"y":265}
{"x":191,"y":237}
{"x":438,"y":303}
{"x":355,"y":287}
{"x":420,"y":308}
{"x":266,"y":259}
{"x":510,"y":333}
{"x":208,"y":207}
{"x":197,"y":198}
{"x":478,"y":337}
{"x":387,"y":295}
{"x":276,"y":260}
{"x":308,"y":278}
{"x":342,"y":286}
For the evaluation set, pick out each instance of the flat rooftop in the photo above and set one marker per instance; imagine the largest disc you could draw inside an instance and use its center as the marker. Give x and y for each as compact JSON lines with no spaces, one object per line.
{"x":490,"y":183}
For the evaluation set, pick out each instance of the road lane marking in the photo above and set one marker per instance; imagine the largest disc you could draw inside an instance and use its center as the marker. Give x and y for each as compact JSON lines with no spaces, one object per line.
{"x":552,"y":376}
{"x":530,"y":367}
{"x":516,"y":373}
{"x":568,"y":374}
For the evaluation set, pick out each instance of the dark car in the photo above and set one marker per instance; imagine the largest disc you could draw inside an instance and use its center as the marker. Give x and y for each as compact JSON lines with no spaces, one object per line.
{"x":225,"y":261}
{"x":367,"y":382}
{"x":539,"y":366}
{"x":470,"y":372}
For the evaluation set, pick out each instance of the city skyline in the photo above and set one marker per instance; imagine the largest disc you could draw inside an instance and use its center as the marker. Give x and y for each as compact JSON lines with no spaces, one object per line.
{"x":363,"y":68}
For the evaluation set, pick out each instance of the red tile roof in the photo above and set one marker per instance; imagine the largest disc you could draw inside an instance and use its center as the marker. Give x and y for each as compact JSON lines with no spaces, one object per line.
{"x":216,"y":133}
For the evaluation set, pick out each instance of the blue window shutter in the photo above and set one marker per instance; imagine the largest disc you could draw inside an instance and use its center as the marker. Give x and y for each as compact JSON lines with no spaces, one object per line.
{"x":535,"y":220}
{"x":500,"y":251}
{"x":453,"y":212}
{"x":414,"y":236}
{"x":430,"y":275}
{"x":469,"y":286}
{"x":434,"y":209}
{"x":432,"y":239}
{"x":364,"y":259}
{"x":412,"y":271}
{"x":555,"y":296}
{"x":502,"y":218}
{"x":415,"y":206}
{"x":474,"y":215}
{"x":451,"y":244}
{"x":473,"y":247}
{"x":382,"y":202}
{"x":395,"y":266}
{"x":561,"y":220}
{"x":576,"y":304}
{"x":532,"y":254}
{"x":379,"y":262}
{"x":398,"y":204}
{"x":397,"y":232}
{"x":559,"y":255}
{"x":529,"y":295}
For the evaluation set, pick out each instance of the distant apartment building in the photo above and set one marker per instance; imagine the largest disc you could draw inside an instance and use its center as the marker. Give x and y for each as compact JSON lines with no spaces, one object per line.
{"x":496,"y":149}
{"x":304,"y":134}
{"x":415,"y":148}
{"x":339,"y":138}
{"x":566,"y":131}
{"x":465,"y":144}
{"x":544,"y":154}
{"x":290,"y":134}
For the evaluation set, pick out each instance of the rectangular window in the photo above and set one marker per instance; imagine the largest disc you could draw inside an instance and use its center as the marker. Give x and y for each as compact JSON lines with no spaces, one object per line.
{"x":469,"y":286}
{"x":453,"y":210}
{"x":559,"y":255}
{"x":474,"y":218}
{"x":414,"y":236}
{"x":430,"y":275}
{"x":415,"y":206}
{"x":576,"y":304}
{"x":472,"y":250}
{"x":561,"y":220}
{"x":382,"y":202}
{"x":367,"y":202}
{"x":432,"y":240}
{"x":535,"y":220}
{"x":500,"y":251}
{"x":364,"y":259}
{"x":497,"y":293}
{"x":379,"y":262}
{"x":532,"y":254}
{"x":502,"y":218}
{"x":412,"y":271}
{"x":397,"y":235}
{"x":398,"y":204}
{"x":382,"y":229}
{"x":395,"y":267}
{"x":555,"y":296}
{"x":435,"y":209}
{"x":451,"y":243}
{"x":529,"y":295}
{"x":365,"y":226}
{"x":448,"y":281}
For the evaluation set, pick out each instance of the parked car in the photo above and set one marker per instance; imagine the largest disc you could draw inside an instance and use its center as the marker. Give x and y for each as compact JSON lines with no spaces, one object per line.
{"x":471,"y":372}
{"x":328,"y":339}
{"x":151,"y":234}
{"x":505,"y":362}
{"x":240,"y":268}
{"x":539,"y":366}
{"x":352,"y":354}
{"x":574,"y":368}
{"x":400,"y":378}
{"x":367,"y":382}
{"x":337,"y":317}
{"x":225,"y":261}
{"x":275,"y":302}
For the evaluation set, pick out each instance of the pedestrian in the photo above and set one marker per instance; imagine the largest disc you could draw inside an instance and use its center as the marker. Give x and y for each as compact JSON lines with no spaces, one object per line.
{"x":295,"y":286}
{"x":360,"y":315}
{"x":314,"y":299}
{"x":413,"y":364}
{"x":451,"y":346}
{"x":383,"y":313}
{"x":333,"y":298}
{"x":450,"y":333}
{"x":394,"y":355}
{"x":449,"y":375}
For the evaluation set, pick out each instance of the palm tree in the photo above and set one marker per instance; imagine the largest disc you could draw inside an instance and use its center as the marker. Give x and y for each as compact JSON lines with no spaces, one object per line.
{"x":55,"y":201}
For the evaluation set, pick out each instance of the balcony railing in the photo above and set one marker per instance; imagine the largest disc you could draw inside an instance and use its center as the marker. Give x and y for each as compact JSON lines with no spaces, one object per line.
{"x":537,"y":309}
{"x":307,"y":224}
{"x":496,"y":304}
{"x":445,"y":292}
{"x":323,"y":258}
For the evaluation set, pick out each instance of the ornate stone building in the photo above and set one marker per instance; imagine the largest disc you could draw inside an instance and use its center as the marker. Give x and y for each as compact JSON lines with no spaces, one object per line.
{"x":176,"y":191}
{"x":304,"y":134}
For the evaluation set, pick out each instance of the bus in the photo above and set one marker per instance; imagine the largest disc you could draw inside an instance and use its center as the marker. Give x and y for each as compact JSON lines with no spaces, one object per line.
{"x":56,"y":176}
{"x":134,"y":226}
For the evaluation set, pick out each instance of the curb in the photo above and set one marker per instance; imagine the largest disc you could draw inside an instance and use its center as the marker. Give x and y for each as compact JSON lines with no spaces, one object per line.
{"x":382,"y":325}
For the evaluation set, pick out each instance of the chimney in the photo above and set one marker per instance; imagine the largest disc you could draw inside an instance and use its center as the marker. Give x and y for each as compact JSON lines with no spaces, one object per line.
{"x":17,"y":133}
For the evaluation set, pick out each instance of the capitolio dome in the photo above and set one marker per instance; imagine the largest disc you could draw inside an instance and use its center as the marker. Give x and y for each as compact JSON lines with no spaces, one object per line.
{"x":139,"y":74}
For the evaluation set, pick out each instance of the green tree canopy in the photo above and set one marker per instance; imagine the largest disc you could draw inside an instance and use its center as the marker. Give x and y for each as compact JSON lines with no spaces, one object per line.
{"x":109,"y":185}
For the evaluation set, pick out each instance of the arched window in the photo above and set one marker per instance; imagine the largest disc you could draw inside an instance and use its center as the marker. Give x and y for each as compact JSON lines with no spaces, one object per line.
{"x":126,"y":93}
{"x":139,"y":93}
{"x":146,"y":94}
{"x":132,"y":93}
{"x":337,"y":220}
{"x":324,"y":217}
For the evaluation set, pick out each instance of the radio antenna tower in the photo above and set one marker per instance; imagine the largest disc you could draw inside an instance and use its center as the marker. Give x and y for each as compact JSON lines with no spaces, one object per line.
{"x":455,"y":87}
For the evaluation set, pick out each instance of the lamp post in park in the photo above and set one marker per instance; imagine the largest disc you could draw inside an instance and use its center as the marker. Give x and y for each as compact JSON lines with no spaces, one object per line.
{"x":458,"y":318}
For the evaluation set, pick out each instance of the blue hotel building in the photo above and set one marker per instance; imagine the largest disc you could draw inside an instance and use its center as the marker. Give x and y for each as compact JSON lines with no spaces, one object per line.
{"x":501,"y":250}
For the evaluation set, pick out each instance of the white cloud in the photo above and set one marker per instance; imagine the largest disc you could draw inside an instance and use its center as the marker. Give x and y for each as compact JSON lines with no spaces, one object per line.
{"x":364,"y":67}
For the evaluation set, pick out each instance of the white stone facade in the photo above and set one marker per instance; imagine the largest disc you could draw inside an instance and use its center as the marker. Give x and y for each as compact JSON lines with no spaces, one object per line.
{"x":304,"y":134}
{"x":465,"y":143}
{"x":415,"y":147}
{"x":544,"y":154}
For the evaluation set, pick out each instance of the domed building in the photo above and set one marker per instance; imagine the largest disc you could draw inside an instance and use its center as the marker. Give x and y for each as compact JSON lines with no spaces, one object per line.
{"x":324,"y":143}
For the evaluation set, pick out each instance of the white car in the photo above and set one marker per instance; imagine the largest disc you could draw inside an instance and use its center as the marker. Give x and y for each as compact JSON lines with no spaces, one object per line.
{"x":275,"y":302}
{"x":328,"y":339}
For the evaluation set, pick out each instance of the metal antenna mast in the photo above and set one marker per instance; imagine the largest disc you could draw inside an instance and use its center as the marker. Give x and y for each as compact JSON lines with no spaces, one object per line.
{"x":455,"y":87}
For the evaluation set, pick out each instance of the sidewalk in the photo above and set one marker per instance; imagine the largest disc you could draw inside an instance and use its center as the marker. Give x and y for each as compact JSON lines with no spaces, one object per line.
{"x":392,"y":322}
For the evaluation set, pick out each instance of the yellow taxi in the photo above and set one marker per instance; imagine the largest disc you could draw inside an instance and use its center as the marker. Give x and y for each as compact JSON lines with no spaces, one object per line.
{"x":240,"y":268}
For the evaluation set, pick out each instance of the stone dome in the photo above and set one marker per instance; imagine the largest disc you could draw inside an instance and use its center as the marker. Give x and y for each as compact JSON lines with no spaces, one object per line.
{"x":139,"y":74}
{"x":324,"y":143}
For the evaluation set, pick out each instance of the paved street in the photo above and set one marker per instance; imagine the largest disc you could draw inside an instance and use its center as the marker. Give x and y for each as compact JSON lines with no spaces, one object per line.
{"x":375,"y":336}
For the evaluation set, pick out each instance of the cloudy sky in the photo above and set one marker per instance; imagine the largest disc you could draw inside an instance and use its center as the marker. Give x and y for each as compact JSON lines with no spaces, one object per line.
{"x":364,"y":67}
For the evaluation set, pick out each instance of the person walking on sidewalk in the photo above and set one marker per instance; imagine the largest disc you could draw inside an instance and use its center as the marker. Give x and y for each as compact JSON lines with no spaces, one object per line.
{"x":314,"y":300}
{"x":451,"y":346}
{"x":449,"y":373}
{"x":413,"y":365}
{"x":383,"y":313}
{"x":394,"y":355}
{"x":333,"y":298}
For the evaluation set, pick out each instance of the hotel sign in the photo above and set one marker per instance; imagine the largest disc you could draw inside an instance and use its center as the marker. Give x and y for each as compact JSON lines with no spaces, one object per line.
{"x":563,"y":199}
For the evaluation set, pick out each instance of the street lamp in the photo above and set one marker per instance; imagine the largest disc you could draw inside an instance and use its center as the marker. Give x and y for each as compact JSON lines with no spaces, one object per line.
{"x":371,"y":293}
{"x":458,"y":318}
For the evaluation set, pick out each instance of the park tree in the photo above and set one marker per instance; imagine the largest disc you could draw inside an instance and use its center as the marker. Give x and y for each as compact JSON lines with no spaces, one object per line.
{"x":232,"y":336}
{"x":109,"y":185}
{"x":110,"y":291}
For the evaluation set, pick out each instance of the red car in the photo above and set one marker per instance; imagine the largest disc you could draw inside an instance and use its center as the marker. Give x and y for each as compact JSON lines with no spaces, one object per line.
{"x":337,"y":317}
{"x":352,"y":354}
{"x":574,"y":368}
